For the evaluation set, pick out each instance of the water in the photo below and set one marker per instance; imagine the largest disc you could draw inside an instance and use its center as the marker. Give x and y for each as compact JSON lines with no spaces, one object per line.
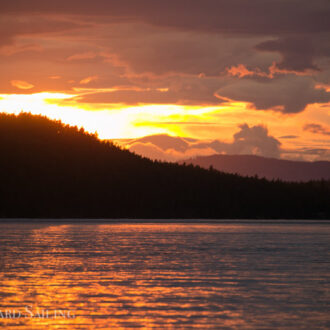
{"x":220,"y":275}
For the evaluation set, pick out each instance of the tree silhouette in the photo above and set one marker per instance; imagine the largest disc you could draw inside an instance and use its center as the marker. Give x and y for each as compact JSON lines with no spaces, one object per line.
{"x":52,"y":170}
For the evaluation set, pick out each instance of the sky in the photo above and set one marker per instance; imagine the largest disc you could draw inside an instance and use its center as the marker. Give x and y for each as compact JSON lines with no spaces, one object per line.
{"x":175,"y":79}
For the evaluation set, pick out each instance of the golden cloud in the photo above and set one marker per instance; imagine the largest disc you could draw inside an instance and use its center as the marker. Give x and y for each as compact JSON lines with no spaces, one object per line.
{"x":21,"y":84}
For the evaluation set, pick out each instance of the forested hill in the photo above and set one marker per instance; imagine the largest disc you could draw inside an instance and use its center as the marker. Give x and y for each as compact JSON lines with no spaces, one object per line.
{"x":51,"y":170}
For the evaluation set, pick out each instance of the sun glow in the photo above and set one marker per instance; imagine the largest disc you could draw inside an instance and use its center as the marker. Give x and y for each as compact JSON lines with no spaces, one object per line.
{"x":100,"y":122}
{"x":123,"y":122}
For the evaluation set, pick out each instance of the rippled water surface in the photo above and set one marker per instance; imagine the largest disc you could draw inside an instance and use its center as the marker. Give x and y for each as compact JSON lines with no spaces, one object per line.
{"x":223,"y":275}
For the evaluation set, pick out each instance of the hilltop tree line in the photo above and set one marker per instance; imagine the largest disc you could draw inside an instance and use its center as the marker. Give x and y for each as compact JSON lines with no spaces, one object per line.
{"x":52,"y":170}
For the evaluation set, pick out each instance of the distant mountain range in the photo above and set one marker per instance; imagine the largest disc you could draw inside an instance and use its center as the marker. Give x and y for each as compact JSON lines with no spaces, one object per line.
{"x":269,"y":168}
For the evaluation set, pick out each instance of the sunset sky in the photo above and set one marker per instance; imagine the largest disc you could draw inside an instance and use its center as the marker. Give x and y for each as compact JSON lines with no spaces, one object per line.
{"x":204,"y":76}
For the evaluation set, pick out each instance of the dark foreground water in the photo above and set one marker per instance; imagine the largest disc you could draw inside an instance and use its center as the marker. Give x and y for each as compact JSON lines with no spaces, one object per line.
{"x":104,"y":276}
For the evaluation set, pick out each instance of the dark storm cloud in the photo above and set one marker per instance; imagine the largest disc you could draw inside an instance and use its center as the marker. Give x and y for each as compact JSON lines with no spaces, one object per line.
{"x":288,"y":94}
{"x":177,"y":42}
{"x":11,"y":27}
{"x":144,"y":48}
{"x":299,"y":52}
{"x":234,"y":16}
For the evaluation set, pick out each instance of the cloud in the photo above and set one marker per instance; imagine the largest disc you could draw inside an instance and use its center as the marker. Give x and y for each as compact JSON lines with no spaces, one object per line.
{"x":316,"y":129}
{"x":153,"y":151}
{"x":147,"y":49}
{"x":241,"y":71}
{"x":21,"y":84}
{"x":253,"y":140}
{"x":289,"y":137}
{"x":249,"y":140}
{"x":288,"y":94}
{"x":87,"y":80}
{"x":181,"y":90}
{"x":235,"y":16}
{"x":12,"y":27}
{"x":298,"y":52}
{"x":256,"y":141}
{"x":196,"y":53}
{"x":165,"y":142}
{"x":9,"y":50}
{"x":307,"y":154}
{"x":82,"y":56}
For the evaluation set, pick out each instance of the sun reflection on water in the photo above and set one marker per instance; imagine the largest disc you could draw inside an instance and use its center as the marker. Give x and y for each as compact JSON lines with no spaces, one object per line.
{"x":149,"y":275}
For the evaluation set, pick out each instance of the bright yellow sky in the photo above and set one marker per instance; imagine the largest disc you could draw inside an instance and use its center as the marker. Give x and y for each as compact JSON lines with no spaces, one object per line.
{"x":197,"y":122}
{"x":117,"y":123}
{"x":138,"y":121}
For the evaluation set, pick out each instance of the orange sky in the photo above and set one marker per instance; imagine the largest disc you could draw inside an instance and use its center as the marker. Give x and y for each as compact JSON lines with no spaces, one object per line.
{"x":116,"y":70}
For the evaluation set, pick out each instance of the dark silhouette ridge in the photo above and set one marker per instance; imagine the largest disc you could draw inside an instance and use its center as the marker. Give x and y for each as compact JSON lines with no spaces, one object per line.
{"x":269,"y":168}
{"x":49,"y":170}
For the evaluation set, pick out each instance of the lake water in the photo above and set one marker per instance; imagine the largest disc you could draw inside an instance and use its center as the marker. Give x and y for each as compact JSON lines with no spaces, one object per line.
{"x":228,"y":275}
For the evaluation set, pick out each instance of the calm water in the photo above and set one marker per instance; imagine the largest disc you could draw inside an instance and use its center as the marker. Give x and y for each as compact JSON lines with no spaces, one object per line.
{"x":103,"y":276}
